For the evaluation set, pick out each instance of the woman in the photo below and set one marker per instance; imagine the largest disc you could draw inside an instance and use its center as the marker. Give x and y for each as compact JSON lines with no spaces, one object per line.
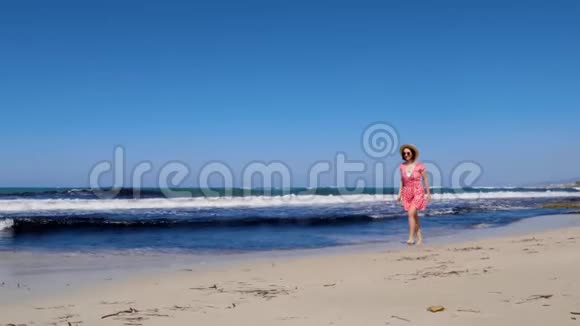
{"x":411,"y":192}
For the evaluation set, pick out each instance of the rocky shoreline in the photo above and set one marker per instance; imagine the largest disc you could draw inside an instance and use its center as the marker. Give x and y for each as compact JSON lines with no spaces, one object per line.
{"x":564,"y":203}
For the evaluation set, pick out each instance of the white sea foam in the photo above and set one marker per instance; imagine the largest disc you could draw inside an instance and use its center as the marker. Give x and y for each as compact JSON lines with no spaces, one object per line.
{"x":36,"y":205}
{"x":6,"y":224}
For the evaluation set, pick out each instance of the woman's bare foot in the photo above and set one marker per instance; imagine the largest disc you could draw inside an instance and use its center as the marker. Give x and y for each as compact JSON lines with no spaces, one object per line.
{"x":410,"y":242}
{"x":419,"y":238}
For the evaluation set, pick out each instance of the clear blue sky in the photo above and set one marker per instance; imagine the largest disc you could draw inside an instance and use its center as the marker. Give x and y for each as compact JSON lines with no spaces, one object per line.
{"x":493,"y":82}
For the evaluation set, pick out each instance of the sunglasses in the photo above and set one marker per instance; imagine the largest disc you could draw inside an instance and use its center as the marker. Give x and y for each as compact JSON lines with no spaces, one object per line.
{"x":407,"y":153}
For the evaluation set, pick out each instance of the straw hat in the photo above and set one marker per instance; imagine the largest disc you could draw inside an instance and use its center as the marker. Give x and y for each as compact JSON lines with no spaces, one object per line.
{"x":412,"y":148}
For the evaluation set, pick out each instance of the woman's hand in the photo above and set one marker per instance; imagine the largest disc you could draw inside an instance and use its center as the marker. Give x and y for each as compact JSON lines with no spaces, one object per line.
{"x":428,"y":197}
{"x":399,"y":199}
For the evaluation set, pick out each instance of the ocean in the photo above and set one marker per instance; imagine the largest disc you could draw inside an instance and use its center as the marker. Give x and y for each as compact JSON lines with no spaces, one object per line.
{"x":67,"y":219}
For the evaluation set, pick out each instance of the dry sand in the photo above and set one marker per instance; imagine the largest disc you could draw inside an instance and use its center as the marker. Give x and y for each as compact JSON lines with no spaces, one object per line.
{"x":531,"y":279}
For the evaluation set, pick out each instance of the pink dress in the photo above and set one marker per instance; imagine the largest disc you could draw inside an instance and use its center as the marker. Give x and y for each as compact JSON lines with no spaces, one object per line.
{"x":413,"y":193}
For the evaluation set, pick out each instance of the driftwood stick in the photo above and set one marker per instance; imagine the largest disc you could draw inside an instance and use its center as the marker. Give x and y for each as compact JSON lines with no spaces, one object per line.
{"x":400,"y":318}
{"x":468,"y":310}
{"x":128,"y":311}
{"x":538,"y":296}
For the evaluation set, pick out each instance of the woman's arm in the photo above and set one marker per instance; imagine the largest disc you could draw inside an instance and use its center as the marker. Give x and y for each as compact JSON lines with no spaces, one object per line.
{"x":400,"y":189}
{"x":426,"y":183}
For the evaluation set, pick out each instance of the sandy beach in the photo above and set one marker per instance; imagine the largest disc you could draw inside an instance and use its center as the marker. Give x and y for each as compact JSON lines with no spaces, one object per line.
{"x":273,"y":163}
{"x":523,"y":279}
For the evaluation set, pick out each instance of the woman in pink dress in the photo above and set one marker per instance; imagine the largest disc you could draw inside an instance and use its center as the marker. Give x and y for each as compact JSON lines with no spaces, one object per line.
{"x":412,"y":194}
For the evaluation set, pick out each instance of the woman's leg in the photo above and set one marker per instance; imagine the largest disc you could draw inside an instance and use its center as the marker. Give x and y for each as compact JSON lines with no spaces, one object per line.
{"x":412,"y":224}
{"x":418,"y":228}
